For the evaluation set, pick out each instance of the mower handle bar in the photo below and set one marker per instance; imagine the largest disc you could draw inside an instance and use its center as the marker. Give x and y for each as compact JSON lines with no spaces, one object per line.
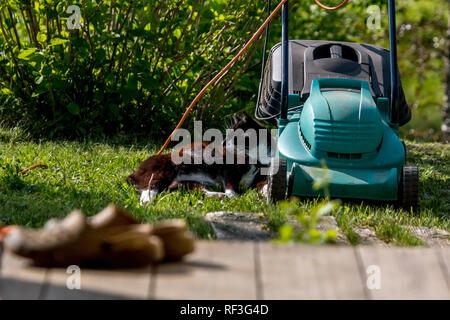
{"x":341,"y":83}
{"x":394,"y":112}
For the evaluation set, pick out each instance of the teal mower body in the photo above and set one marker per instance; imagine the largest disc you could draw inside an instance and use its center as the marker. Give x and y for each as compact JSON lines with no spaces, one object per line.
{"x":338,"y":107}
{"x":345,"y":139}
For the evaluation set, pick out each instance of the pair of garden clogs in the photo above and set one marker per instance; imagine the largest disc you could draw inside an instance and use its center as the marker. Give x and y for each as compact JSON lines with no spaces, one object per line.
{"x":112,"y":238}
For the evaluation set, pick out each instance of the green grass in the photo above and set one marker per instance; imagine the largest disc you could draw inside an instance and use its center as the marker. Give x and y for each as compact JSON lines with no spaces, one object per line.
{"x":90,"y":175}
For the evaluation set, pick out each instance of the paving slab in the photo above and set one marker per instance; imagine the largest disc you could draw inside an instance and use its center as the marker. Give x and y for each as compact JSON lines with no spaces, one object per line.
{"x":310,"y":272}
{"x":216,"y":270}
{"x":405,"y":273}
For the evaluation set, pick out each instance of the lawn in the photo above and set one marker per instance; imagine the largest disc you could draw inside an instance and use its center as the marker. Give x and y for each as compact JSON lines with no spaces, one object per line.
{"x":90,"y":175}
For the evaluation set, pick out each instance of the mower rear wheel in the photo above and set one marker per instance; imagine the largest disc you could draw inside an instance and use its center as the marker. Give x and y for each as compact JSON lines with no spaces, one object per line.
{"x":409,"y":188}
{"x":277,"y":182}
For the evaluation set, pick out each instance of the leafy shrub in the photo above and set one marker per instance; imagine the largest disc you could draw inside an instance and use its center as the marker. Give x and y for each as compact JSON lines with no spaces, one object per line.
{"x":132,"y":66}
{"x":135,"y":65}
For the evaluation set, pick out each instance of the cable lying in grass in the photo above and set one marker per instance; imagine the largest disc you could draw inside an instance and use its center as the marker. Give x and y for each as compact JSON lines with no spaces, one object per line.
{"x":39,"y":165}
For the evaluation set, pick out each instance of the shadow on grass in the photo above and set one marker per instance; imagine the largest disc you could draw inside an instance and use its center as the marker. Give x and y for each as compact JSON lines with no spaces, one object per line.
{"x":32,"y":205}
{"x":139,"y":140}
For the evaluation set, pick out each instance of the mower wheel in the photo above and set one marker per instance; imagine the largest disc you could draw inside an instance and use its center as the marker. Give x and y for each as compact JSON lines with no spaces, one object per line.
{"x":409,"y":188}
{"x":276,"y":188}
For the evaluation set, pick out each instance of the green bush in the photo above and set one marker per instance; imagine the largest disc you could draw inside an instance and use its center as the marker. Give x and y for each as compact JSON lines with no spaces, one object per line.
{"x":133,"y":66}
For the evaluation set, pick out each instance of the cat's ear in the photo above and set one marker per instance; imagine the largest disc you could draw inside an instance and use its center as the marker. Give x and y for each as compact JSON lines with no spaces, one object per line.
{"x":236,"y":118}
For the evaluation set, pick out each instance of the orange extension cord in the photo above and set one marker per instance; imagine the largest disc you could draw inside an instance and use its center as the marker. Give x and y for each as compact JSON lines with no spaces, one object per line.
{"x":220,"y":74}
{"x":230,"y":64}
{"x":332,"y":8}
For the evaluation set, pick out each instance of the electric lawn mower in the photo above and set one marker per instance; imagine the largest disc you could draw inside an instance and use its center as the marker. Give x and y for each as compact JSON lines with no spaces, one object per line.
{"x":340,"y":103}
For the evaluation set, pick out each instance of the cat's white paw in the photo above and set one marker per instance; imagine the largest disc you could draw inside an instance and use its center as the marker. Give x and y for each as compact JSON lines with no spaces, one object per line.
{"x":147,"y":196}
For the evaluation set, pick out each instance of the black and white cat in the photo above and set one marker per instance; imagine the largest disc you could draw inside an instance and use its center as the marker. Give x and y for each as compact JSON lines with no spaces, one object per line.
{"x":250,"y":157}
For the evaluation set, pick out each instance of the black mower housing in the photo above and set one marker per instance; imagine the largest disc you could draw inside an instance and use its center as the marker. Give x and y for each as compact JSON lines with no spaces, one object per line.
{"x":314,"y":59}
